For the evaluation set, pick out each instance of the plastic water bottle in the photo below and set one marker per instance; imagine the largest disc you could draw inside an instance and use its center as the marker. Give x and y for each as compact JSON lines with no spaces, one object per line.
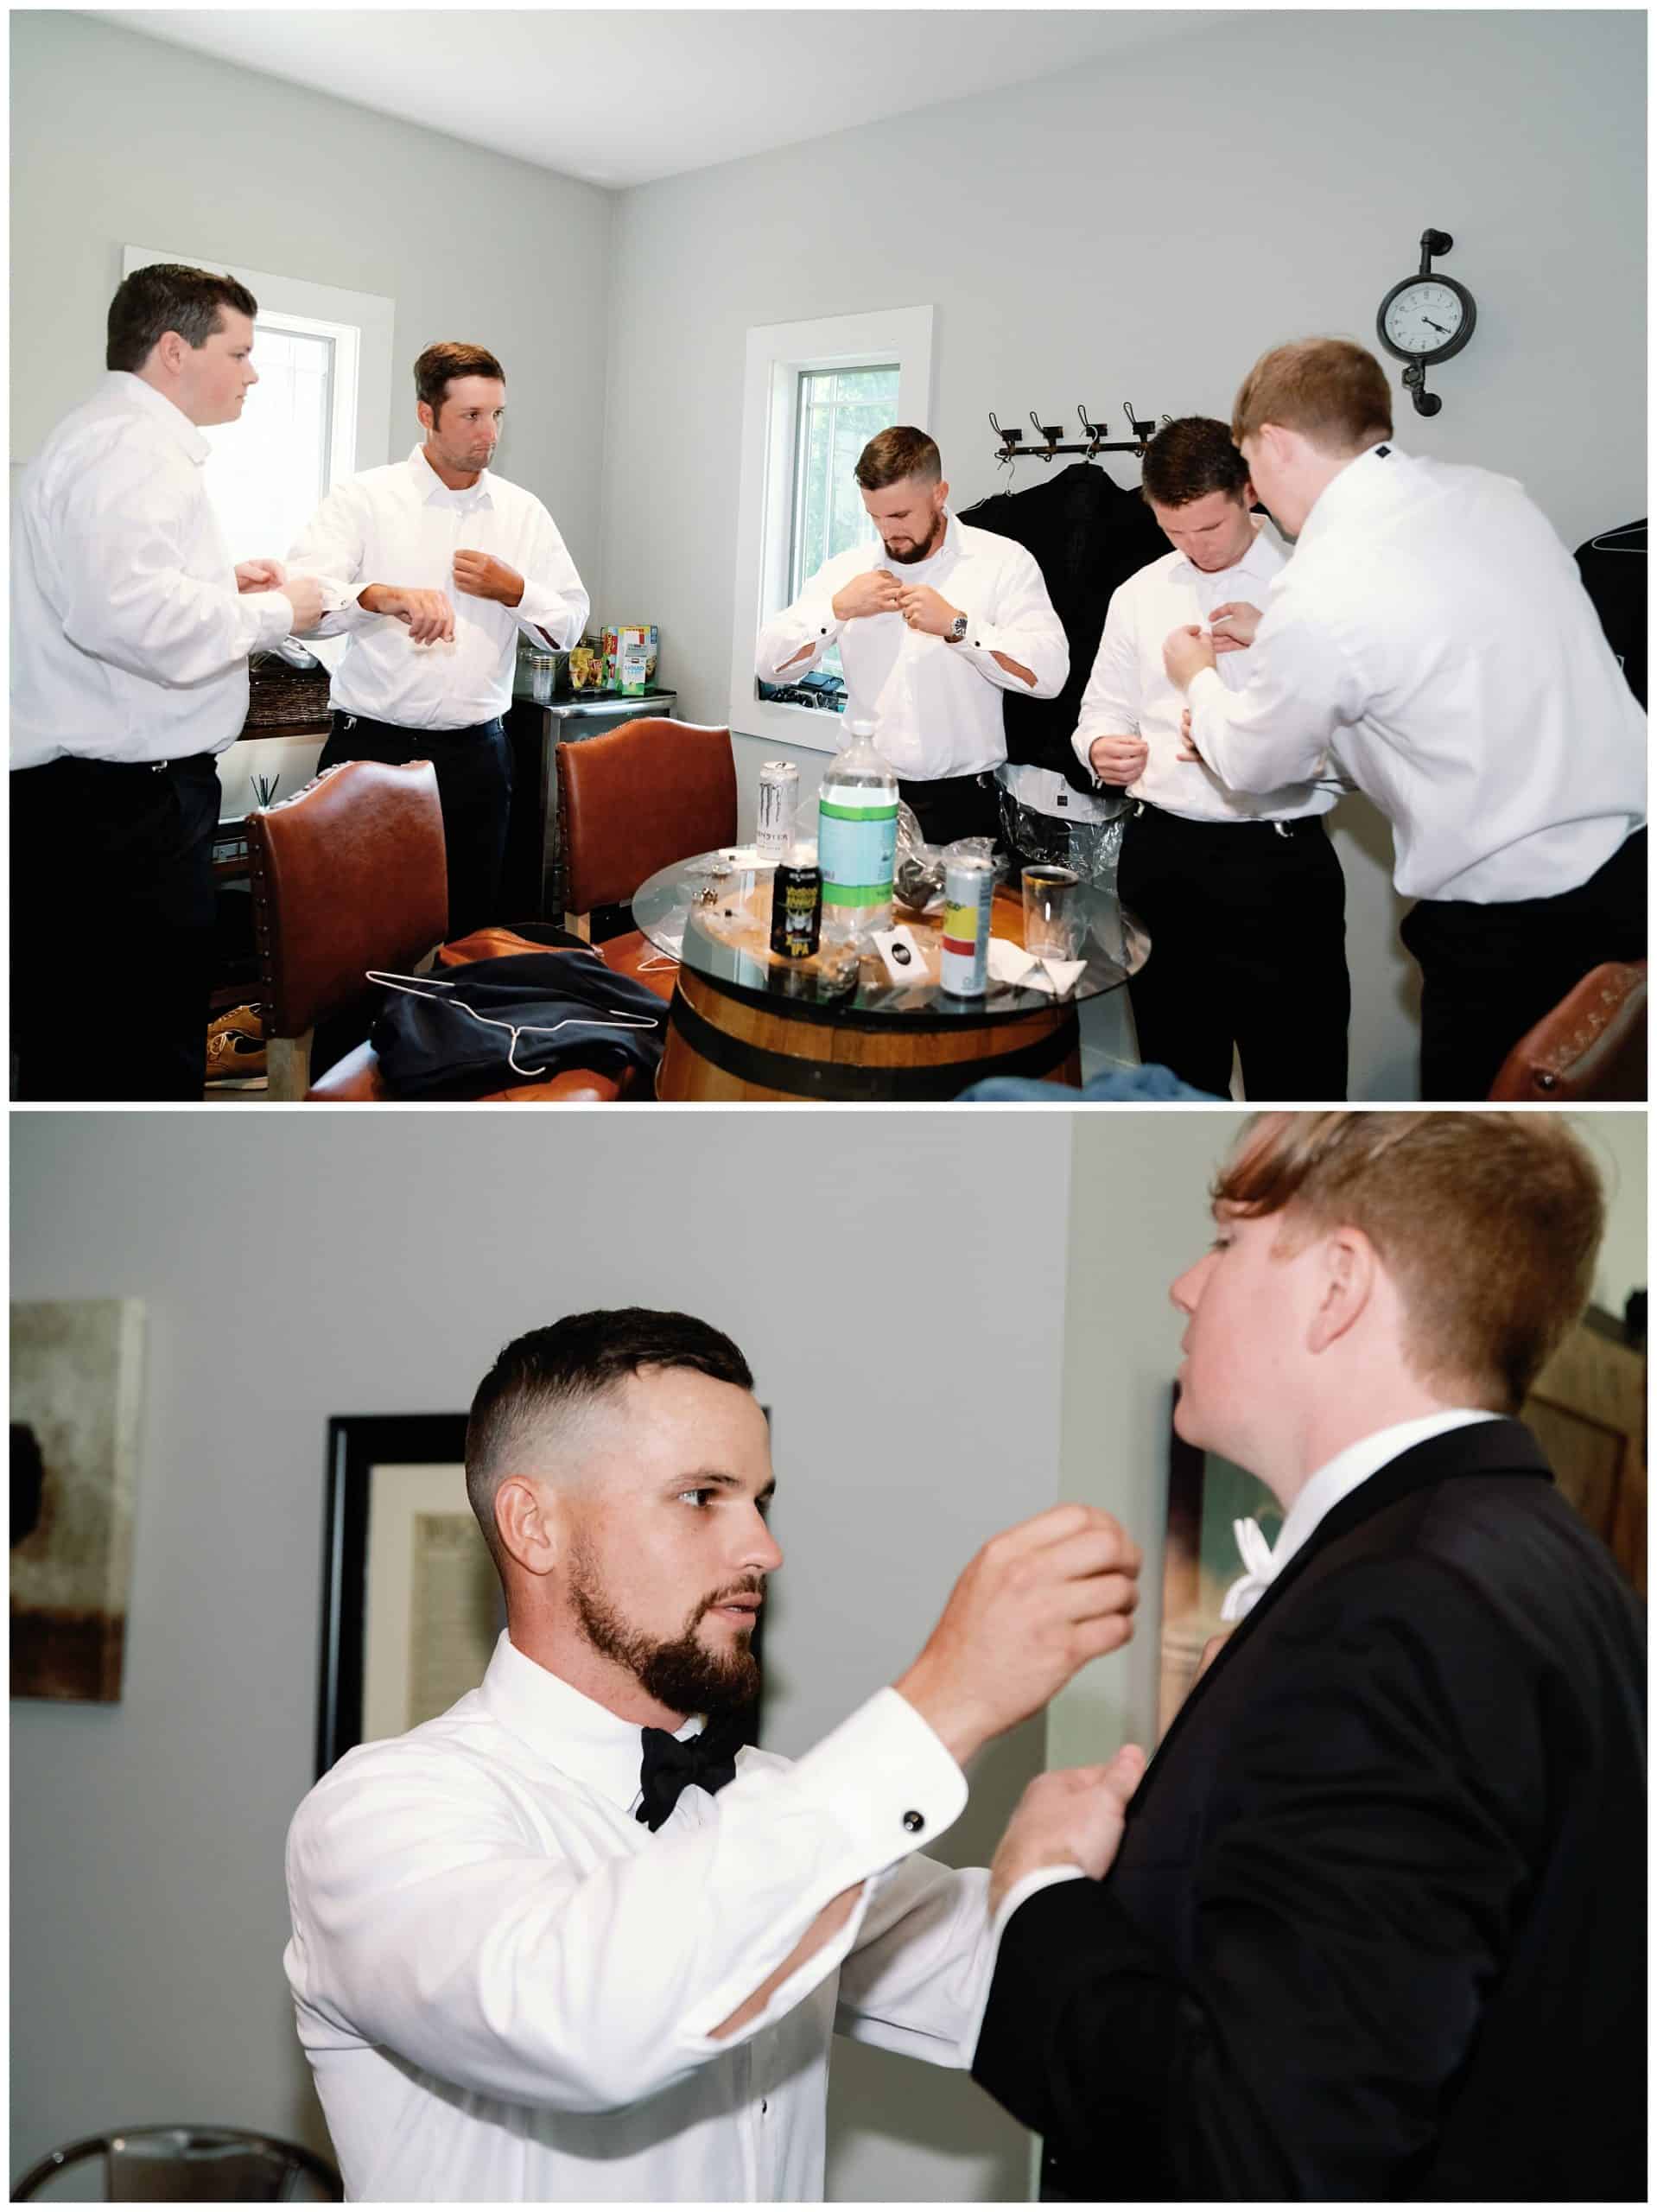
{"x":857,"y":838}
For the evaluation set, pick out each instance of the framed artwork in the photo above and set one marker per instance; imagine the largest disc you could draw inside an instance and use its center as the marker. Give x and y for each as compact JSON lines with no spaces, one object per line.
{"x":76,"y":1389}
{"x":411,"y":1604}
{"x":1200,"y":1562}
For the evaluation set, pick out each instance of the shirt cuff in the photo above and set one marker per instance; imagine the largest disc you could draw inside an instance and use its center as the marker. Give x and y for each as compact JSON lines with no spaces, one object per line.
{"x":893,"y":1786}
{"x":274,"y":613}
{"x":543,"y":608}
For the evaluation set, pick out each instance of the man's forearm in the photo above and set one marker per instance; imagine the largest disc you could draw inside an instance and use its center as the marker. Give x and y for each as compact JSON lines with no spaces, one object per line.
{"x":1015,"y":668}
{"x":828,"y":1924}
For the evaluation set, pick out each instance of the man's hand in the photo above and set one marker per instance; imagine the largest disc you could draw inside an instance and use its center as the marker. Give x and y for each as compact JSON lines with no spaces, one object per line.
{"x":1183,"y":651}
{"x":1188,"y":744}
{"x":877,"y":591}
{"x":428,"y":613}
{"x":922,"y":608}
{"x":1034,"y":1605}
{"x":304,"y":596}
{"x":1233,"y":625}
{"x":259,"y":575}
{"x":1118,"y":759}
{"x":1073,"y":1817}
{"x":482,"y":576}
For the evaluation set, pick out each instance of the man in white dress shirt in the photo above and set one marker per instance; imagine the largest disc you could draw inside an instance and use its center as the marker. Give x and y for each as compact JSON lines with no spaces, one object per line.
{"x":1372,"y":1930}
{"x":1432,"y":635}
{"x":435,"y":564}
{"x":535,"y":1956}
{"x":930,"y":635}
{"x":129,"y":642}
{"x":1242,"y":894}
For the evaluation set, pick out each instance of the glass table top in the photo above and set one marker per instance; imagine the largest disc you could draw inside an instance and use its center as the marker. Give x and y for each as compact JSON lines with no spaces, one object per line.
{"x":713,"y":912}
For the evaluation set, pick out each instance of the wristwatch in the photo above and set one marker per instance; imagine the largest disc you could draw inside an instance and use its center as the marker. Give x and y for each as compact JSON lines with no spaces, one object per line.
{"x":958,"y":630}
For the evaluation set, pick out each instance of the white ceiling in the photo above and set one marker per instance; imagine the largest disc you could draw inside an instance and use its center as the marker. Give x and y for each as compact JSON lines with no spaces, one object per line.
{"x":618,"y":97}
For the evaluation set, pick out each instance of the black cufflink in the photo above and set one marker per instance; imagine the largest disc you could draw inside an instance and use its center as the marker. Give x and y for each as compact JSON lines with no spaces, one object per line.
{"x":914,"y":1822}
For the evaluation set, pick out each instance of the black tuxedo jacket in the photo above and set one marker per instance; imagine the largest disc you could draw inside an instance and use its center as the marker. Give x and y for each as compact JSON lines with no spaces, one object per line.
{"x":1376,"y":1928}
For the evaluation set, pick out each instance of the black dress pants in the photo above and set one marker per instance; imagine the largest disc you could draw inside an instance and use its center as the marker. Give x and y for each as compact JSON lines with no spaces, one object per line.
{"x":474,"y":788}
{"x":113,"y":928}
{"x":948,"y":807}
{"x":1490,"y":973}
{"x":1247,"y":927}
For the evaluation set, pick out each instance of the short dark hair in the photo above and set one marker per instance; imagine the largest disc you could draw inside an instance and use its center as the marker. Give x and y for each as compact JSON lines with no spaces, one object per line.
{"x":1189,"y":459}
{"x":894,"y":455}
{"x":571,"y":1362}
{"x":1334,"y":392}
{"x":1490,"y":1223}
{"x":439,"y":366}
{"x":169,"y":295}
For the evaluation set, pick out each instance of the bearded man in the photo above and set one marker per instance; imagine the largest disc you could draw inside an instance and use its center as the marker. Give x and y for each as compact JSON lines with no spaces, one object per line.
{"x":930,"y":635}
{"x":576,"y":1939}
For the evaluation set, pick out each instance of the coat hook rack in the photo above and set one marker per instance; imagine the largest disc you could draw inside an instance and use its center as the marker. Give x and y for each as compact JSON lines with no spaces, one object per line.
{"x":1013,"y":446}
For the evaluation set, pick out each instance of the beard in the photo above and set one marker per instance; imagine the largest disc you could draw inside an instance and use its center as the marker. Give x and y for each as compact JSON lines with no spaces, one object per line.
{"x":680,"y":1671}
{"x":919,"y":552}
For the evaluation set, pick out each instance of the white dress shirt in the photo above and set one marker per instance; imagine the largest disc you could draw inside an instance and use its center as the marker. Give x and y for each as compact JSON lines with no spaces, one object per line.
{"x":1322,"y":1493}
{"x":507,"y":1986}
{"x":1433,"y":634}
{"x":129,"y":638}
{"x":403,"y":526}
{"x":1129,"y":694}
{"x":935,"y":706}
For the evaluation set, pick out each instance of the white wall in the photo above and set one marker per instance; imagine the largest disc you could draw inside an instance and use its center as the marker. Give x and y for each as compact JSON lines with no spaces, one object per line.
{"x":295,"y":1266}
{"x":1139,"y":1216}
{"x":118,"y":139}
{"x":1141,"y":229}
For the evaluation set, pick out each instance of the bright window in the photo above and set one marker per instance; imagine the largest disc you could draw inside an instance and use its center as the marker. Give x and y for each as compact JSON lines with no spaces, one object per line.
{"x":838,"y":410}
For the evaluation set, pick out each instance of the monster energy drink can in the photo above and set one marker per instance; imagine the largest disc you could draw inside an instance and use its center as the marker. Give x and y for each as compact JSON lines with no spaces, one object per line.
{"x":969,"y":884}
{"x":779,"y":793}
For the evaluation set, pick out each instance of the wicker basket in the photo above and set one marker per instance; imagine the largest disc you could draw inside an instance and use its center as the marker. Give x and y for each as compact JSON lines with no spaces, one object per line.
{"x":280,"y":697}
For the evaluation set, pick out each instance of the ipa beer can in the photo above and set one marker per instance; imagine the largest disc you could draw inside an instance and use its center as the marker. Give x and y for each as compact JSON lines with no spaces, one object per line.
{"x":797,"y":906}
{"x":963,"y":952}
{"x":779,"y":793}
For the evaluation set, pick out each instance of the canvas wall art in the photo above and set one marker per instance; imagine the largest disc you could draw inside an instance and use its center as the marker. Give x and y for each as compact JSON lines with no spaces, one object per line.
{"x":77,"y":1386}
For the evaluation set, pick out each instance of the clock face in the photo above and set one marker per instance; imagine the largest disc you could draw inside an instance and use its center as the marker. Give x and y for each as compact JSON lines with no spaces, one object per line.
{"x":1423,"y":317}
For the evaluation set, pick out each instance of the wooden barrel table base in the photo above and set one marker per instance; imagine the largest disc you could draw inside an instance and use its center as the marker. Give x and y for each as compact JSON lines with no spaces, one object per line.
{"x":728,"y":1043}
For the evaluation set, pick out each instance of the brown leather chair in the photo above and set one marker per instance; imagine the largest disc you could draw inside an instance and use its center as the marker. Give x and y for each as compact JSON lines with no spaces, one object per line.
{"x":1591,"y":1046}
{"x":643,"y":795}
{"x":349,"y":875}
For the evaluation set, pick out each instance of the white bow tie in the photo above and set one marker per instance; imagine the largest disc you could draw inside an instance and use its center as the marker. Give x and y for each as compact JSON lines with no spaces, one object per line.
{"x":1258,"y":1567}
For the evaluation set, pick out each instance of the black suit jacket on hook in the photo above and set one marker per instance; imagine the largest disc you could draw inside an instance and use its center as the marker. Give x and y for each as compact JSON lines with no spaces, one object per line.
{"x":1087,"y":535}
{"x":1376,"y":1927}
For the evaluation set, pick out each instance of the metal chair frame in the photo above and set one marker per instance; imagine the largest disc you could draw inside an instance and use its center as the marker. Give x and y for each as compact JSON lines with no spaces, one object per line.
{"x":294,"y":2157}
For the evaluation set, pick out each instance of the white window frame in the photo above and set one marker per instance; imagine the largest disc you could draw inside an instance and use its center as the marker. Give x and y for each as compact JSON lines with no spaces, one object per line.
{"x":777,"y":353}
{"x":294,"y":303}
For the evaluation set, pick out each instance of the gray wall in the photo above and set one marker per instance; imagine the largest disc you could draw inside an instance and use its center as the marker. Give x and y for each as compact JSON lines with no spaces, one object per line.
{"x":295,"y":1266}
{"x":118,"y":139}
{"x":1141,"y":229}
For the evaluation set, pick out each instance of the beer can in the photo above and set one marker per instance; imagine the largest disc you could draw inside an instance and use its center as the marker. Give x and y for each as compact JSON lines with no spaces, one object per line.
{"x":796,"y":908}
{"x":963,"y":962}
{"x":779,"y":793}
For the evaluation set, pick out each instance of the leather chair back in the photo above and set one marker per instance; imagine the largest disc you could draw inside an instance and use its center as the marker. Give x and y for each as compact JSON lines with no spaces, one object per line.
{"x":1591,"y":1046}
{"x":348,"y":875}
{"x":647,"y":793}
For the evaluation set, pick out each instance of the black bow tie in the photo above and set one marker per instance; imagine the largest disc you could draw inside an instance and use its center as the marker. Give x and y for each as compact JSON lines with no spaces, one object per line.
{"x":670,"y":1766}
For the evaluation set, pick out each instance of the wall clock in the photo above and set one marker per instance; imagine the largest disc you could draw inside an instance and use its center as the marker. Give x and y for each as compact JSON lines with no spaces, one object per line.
{"x":1426,"y":319}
